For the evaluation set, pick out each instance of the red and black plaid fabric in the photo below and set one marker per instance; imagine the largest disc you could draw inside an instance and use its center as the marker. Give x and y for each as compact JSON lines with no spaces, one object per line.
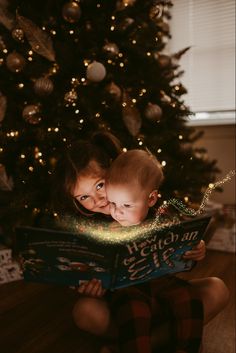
{"x":138,"y":309}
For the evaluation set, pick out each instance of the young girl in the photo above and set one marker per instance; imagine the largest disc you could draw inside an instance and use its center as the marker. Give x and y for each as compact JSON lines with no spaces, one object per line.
{"x":80,"y":181}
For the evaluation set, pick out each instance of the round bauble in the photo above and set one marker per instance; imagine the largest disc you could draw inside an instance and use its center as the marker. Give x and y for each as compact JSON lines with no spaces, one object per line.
{"x":71,"y":12}
{"x":18,"y":34}
{"x":43,"y":86}
{"x":31,"y":114}
{"x":96,"y":71}
{"x":111,"y":49}
{"x":15,"y":62}
{"x":153,"y":112}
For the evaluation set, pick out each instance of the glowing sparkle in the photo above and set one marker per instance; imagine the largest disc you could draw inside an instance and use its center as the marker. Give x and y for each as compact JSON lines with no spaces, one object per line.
{"x":114,"y":233}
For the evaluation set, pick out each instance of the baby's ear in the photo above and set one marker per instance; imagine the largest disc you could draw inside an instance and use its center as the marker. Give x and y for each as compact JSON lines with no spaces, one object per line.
{"x":152,"y":198}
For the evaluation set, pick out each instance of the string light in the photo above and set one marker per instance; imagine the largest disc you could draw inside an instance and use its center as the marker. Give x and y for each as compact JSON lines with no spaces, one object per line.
{"x":159,"y":150}
{"x":163,"y":163}
{"x":191,"y":212}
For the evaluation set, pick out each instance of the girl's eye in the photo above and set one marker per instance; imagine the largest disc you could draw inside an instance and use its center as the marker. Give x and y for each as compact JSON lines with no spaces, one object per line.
{"x":100,"y":185}
{"x":83,"y":198}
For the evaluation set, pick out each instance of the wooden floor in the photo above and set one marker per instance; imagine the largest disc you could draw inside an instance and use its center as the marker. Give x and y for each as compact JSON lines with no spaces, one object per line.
{"x":36,"y":318}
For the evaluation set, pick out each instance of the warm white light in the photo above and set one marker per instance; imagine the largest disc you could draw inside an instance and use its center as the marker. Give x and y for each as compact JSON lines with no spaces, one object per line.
{"x":163,"y":163}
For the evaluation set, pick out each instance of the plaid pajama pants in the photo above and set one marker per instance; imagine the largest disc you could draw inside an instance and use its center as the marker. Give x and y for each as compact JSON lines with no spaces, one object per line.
{"x":136,"y":310}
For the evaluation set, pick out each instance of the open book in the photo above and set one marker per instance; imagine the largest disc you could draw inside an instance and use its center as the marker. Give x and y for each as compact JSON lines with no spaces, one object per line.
{"x":67,"y":258}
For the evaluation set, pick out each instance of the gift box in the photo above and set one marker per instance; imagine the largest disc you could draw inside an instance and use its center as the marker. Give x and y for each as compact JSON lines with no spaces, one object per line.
{"x":9,"y":269}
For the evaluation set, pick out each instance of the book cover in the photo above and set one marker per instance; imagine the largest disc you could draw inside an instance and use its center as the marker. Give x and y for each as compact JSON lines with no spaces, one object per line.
{"x":69,"y":258}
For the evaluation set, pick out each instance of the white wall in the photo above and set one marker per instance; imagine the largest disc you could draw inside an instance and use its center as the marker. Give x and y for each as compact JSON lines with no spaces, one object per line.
{"x":220,"y":144}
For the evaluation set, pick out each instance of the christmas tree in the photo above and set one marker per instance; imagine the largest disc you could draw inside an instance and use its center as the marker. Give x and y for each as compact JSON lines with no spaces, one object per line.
{"x":71,"y":67}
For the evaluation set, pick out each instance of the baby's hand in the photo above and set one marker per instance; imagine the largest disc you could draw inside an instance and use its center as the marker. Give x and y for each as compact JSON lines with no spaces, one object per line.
{"x":92,"y":288}
{"x":197,"y":253}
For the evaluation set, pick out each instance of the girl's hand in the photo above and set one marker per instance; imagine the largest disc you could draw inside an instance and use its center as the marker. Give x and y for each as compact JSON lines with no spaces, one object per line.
{"x":197,"y":253}
{"x":92,"y":288}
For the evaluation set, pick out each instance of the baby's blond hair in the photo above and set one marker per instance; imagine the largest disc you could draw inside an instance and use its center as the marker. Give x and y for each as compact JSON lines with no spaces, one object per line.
{"x":136,"y":167}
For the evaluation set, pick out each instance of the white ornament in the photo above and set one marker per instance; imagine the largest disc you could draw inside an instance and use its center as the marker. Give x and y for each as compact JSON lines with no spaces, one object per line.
{"x":96,"y":71}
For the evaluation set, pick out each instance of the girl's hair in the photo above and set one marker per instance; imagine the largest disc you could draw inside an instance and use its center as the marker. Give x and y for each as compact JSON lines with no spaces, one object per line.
{"x":136,"y":167}
{"x":101,"y":147}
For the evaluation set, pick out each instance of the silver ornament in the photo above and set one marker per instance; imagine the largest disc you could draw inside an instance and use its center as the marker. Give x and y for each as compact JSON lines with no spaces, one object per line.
{"x":31,"y":114}
{"x":153,"y":112}
{"x":96,"y":71}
